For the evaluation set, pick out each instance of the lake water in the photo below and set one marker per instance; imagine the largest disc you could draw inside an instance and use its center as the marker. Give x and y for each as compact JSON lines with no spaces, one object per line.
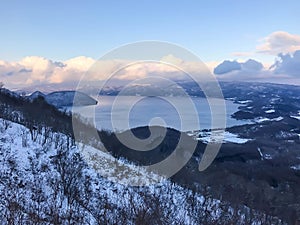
{"x":181,"y":113}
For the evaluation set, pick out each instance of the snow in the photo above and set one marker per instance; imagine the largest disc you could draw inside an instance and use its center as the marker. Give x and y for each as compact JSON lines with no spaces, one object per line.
{"x":127,"y":173}
{"x":268,"y":156}
{"x":270,"y":111}
{"x":295,"y":117}
{"x":101,"y":161}
{"x":277,"y":118}
{"x":11,"y":138}
{"x":230,"y":99}
{"x":274,"y":100}
{"x":260,"y":120}
{"x":296,"y":167}
{"x":217,"y":137}
{"x":263,"y":156}
{"x":16,"y":139}
{"x":244,"y":101}
{"x":263,"y":119}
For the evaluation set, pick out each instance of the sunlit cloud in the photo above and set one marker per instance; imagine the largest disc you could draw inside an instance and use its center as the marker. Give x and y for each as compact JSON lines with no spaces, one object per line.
{"x":72,"y":70}
{"x":279,"y":42}
{"x":34,"y":70}
{"x":169,"y":66}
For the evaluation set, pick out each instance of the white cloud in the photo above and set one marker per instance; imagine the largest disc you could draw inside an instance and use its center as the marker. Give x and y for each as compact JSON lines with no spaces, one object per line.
{"x":169,"y":67}
{"x":227,"y":66}
{"x":80,"y":63}
{"x":33,"y":70}
{"x":288,"y":64}
{"x":230,"y":66}
{"x":72,"y":69}
{"x":252,"y":65}
{"x":36,"y":63}
{"x":279,"y":42}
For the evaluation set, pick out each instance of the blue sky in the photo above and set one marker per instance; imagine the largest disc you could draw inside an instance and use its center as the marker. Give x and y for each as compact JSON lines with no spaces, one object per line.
{"x":60,"y":30}
{"x":35,"y":34}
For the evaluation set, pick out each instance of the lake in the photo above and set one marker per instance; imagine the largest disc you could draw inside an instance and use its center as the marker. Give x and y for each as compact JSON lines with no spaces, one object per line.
{"x":181,"y":113}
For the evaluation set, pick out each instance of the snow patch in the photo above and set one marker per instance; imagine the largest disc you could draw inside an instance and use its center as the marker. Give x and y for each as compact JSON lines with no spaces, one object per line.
{"x":296,"y":167}
{"x":268,"y":156}
{"x":260,"y":153}
{"x":263,"y":156}
{"x":263,"y":119}
{"x":260,"y":120}
{"x":277,"y":118}
{"x":244,"y":101}
{"x":295,"y":117}
{"x":270,"y":111}
{"x":218,"y":136}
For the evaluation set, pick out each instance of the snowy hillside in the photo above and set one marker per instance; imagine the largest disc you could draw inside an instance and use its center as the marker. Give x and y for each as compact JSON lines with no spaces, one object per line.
{"x":44,"y":180}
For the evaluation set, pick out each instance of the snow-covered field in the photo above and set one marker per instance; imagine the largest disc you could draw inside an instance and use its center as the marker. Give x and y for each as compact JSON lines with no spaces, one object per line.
{"x":270,"y":111}
{"x":262,"y":119}
{"x":296,"y":117}
{"x":218,"y":136}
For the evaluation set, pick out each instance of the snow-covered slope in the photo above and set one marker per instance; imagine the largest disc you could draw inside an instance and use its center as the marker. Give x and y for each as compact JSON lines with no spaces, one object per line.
{"x":44,"y":180}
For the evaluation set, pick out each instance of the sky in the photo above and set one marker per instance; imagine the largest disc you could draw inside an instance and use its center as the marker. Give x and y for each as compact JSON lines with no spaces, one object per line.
{"x":83,"y":31}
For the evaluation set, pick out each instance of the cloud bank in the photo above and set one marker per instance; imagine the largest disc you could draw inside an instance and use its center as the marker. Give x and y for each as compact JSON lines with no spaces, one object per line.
{"x":35,"y":70}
